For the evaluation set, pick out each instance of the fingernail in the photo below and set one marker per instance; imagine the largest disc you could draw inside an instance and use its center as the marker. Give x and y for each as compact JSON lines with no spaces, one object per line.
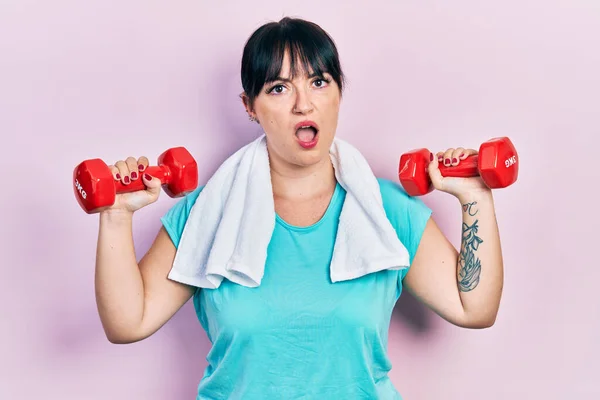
{"x":134,"y":175}
{"x":440,"y":158}
{"x":430,"y":156}
{"x":454,"y":160}
{"x":148,"y":177}
{"x":462,"y":155}
{"x":141,"y":167}
{"x":118,"y":176}
{"x":447,"y":162}
{"x":126,"y":179}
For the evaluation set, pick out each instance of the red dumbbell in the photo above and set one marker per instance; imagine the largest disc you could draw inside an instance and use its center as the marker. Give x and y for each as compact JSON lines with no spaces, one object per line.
{"x":496,"y":163}
{"x":96,"y":188}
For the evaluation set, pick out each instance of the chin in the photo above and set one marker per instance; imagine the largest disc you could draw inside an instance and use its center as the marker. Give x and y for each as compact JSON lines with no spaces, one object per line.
{"x":307,"y":158}
{"x":304,"y":161}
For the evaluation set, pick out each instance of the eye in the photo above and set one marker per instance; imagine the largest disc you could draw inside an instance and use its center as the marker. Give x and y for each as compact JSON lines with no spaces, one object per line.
{"x":277,"y":89}
{"x":321,"y":82}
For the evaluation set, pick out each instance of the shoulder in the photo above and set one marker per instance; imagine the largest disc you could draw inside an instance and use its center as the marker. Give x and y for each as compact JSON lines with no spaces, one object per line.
{"x":407,"y":214}
{"x":395,"y":199}
{"x":176,"y":217}
{"x":184,"y":204}
{"x":390,"y":188}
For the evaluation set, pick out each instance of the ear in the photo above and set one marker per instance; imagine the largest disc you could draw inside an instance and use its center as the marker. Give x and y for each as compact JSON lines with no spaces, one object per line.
{"x":247,"y":106}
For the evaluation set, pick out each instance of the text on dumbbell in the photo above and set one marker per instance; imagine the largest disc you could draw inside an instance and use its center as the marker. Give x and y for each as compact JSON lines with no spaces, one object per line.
{"x":510,"y":161}
{"x":80,"y":189}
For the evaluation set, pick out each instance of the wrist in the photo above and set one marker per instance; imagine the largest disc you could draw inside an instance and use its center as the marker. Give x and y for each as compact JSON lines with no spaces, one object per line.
{"x":116,"y":217}
{"x":480,"y":196}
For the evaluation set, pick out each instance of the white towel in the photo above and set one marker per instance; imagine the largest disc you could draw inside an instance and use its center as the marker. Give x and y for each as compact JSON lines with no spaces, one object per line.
{"x":230,"y":225}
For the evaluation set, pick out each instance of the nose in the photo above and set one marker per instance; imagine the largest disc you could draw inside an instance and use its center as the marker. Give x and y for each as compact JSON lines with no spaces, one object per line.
{"x":303,"y":103}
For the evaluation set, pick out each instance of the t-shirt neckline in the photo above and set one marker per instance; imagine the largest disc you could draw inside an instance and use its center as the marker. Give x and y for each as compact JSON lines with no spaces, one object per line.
{"x":328,"y":211}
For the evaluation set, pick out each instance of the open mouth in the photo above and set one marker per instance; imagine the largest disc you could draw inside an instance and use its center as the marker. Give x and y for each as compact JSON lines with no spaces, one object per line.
{"x":307,"y":133}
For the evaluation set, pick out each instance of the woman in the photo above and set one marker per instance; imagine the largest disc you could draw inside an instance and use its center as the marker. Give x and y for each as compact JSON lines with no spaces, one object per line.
{"x":298,"y":335}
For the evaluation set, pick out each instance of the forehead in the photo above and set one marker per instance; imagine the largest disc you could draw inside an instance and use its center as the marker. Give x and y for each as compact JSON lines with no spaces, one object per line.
{"x":302,"y":68}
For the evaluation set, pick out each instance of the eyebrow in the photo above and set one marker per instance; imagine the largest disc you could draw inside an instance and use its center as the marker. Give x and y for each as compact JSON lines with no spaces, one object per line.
{"x":313,"y":75}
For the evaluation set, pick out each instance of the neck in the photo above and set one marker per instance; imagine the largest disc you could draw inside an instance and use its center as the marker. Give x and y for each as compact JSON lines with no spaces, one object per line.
{"x":295,"y":182}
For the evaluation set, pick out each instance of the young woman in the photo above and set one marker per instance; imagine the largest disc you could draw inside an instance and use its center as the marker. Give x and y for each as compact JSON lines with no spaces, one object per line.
{"x":298,"y":335}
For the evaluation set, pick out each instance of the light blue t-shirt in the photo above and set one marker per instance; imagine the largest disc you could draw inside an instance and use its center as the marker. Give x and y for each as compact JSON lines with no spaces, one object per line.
{"x":298,"y":335}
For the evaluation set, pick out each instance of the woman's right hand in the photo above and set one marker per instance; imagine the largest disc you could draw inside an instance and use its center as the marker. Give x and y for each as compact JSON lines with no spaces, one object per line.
{"x":129,"y":170}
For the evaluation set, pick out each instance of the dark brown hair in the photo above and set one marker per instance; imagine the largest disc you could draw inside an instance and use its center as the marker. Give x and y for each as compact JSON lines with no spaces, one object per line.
{"x":309,"y":46}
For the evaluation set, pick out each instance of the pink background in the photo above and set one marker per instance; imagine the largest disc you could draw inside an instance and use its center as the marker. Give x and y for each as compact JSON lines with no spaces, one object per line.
{"x":83,"y":79}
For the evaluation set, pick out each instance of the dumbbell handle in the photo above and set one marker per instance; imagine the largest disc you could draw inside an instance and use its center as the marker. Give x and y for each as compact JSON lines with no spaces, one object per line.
{"x":161,"y":172}
{"x":467,"y":168}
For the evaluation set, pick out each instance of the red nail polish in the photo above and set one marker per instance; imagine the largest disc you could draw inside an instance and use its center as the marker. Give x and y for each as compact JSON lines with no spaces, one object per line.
{"x":118,"y":177}
{"x":126,"y":179}
{"x":454,"y":160}
{"x":134,"y":175}
{"x":141,"y":167}
{"x":447,"y":162}
{"x":148,"y":177}
{"x":430,"y":156}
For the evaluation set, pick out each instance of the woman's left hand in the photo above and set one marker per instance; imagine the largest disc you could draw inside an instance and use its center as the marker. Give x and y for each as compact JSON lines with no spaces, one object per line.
{"x":459,"y":187}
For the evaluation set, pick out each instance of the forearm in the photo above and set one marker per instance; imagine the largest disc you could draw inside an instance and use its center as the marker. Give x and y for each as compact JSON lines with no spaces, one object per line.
{"x":480,"y":272}
{"x":118,"y":281}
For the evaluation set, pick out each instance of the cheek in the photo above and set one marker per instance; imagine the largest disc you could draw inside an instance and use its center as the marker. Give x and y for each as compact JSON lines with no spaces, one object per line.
{"x":331,"y":101}
{"x":332,"y":108}
{"x":274,"y":115}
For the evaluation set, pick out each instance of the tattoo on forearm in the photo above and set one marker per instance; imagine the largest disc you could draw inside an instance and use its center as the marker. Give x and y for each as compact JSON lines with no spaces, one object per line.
{"x":469,"y":265}
{"x":468,"y":207}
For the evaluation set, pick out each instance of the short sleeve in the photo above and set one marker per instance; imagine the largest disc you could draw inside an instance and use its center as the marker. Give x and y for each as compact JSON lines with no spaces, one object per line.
{"x":176,"y":217}
{"x":408,"y":215}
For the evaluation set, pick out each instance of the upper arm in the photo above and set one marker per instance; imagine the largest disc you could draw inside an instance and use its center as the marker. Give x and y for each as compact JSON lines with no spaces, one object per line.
{"x":163,"y":297}
{"x":432,"y":275}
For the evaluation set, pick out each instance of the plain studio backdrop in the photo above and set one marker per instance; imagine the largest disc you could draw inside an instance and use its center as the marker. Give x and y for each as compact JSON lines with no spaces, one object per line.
{"x":108,"y":79}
